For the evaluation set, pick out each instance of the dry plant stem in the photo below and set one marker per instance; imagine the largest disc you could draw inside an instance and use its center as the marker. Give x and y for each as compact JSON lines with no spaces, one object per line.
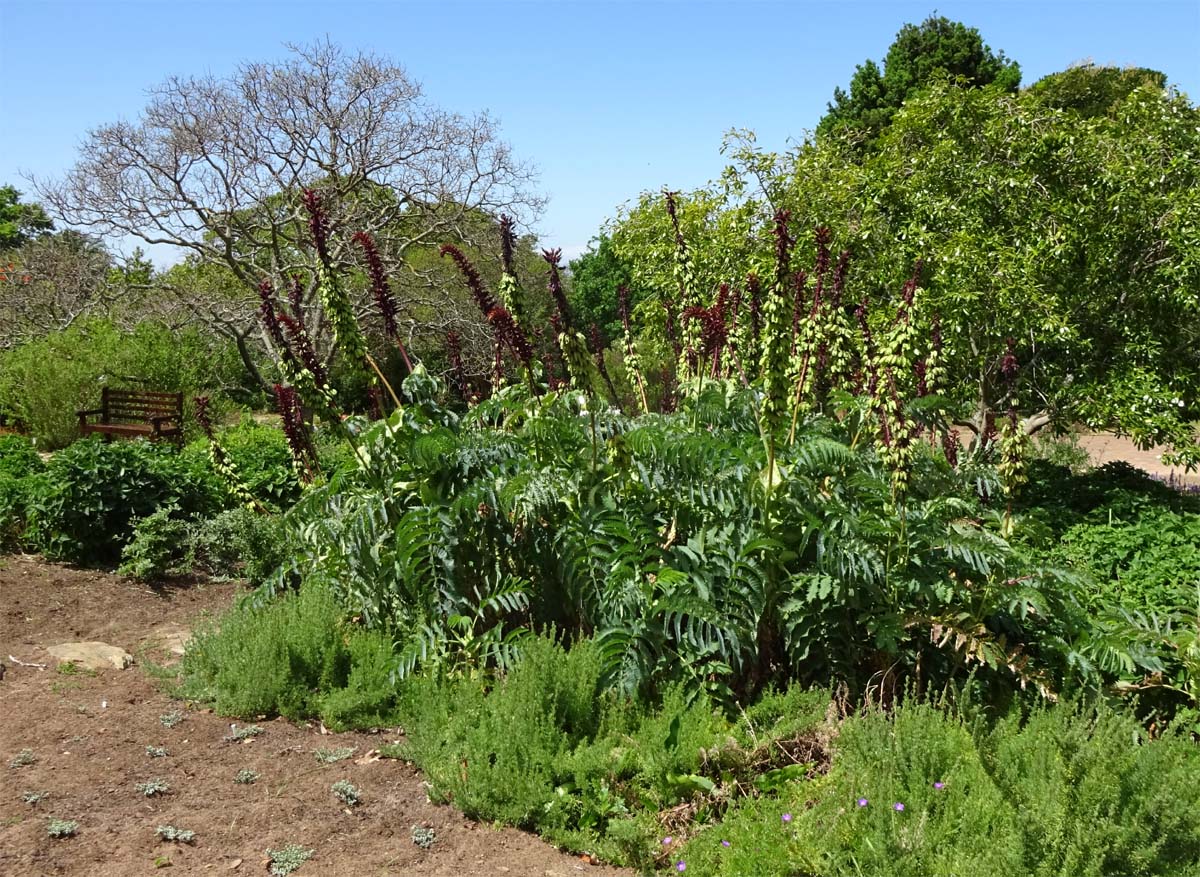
{"x":375,"y":366}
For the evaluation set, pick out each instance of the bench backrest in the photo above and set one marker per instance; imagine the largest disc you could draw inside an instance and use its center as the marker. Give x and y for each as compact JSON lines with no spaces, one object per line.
{"x":139,"y":405}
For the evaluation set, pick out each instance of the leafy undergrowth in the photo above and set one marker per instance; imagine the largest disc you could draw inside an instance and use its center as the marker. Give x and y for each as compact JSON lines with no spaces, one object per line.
{"x":790,"y":785}
{"x":1068,"y":790}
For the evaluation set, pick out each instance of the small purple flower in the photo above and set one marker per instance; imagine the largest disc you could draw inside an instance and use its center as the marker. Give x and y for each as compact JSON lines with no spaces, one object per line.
{"x":898,"y":807}
{"x":724,"y":843}
{"x":939,"y":786}
{"x":861,"y":802}
{"x":786,"y":817}
{"x":681,"y":865}
{"x":667,"y":840}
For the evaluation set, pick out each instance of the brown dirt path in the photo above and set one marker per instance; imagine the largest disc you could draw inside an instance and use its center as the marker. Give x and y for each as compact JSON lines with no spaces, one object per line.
{"x":89,"y":734}
{"x":1104,"y":447}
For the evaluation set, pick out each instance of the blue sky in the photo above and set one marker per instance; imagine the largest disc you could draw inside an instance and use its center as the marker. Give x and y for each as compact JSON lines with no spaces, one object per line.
{"x":607,"y":99}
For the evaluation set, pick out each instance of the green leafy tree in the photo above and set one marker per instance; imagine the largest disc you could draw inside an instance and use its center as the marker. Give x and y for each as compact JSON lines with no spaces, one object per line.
{"x":1091,"y":91}
{"x":936,"y":48}
{"x":20,"y":222}
{"x":595,"y":277}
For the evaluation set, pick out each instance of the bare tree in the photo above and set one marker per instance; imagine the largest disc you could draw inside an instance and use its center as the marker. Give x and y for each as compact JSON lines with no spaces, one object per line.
{"x":50,"y":282}
{"x":215,"y":166}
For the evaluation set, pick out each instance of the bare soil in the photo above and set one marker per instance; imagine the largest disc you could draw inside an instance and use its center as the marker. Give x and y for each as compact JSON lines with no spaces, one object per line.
{"x":89,"y":735}
{"x":1104,"y":447}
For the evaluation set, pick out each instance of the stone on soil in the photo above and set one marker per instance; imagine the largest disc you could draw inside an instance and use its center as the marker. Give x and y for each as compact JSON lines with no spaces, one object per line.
{"x":92,"y":656}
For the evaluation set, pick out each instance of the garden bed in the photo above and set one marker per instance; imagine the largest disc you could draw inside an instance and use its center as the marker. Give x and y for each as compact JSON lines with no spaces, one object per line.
{"x":88,"y":735}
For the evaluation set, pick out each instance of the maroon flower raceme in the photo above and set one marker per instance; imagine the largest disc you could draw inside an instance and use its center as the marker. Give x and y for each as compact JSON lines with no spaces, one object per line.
{"x":379,"y":283}
{"x":268,"y":315}
{"x":301,"y":348}
{"x":1008,"y":364}
{"x":783,"y":248}
{"x":203,"y":418}
{"x":510,"y":334}
{"x":318,"y":223}
{"x":458,"y":374}
{"x":296,"y":296}
{"x":508,"y":241}
{"x":839,"y":279}
{"x":714,"y":332}
{"x":288,"y":405}
{"x":483,"y":298}
{"x":382,"y":292}
{"x":553,"y":257}
{"x":950,"y":445}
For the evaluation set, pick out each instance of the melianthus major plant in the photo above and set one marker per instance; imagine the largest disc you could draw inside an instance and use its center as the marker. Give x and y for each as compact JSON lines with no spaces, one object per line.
{"x":791,"y":518}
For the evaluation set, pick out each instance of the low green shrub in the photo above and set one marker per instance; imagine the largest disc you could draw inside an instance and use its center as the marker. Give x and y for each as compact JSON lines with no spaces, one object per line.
{"x":548,"y":748}
{"x":18,"y":457}
{"x":86,"y":506}
{"x":1069,"y":790}
{"x":21,"y":476}
{"x":159,"y":546}
{"x":293,"y":657}
{"x":239,"y":543}
{"x":1148,"y":564}
{"x":235,"y":542}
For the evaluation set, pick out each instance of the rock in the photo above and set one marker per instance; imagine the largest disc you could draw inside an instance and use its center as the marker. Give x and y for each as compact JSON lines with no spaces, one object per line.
{"x":171,"y":637}
{"x":92,"y":656}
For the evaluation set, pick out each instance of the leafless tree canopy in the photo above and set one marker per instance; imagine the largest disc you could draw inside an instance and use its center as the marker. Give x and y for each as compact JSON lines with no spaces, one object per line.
{"x":215,"y":165}
{"x":49,"y":283}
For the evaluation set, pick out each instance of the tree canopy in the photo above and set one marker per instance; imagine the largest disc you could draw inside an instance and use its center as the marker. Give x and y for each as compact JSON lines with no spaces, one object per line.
{"x":20,"y":222}
{"x":936,"y":48}
{"x":216,"y":166}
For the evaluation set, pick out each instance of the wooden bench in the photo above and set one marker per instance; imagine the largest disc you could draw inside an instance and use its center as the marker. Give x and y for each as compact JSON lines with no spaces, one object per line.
{"x":135,"y":413}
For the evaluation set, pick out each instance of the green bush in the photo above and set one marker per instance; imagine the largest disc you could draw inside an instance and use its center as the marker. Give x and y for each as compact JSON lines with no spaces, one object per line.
{"x":159,"y":546}
{"x":21,"y":476}
{"x":43,"y":383}
{"x":1151,"y":563}
{"x":288,"y":657}
{"x":1073,"y":791}
{"x":92,"y":493}
{"x":262,"y":458}
{"x":238,"y":542}
{"x":18,"y":457}
{"x":546,"y":747}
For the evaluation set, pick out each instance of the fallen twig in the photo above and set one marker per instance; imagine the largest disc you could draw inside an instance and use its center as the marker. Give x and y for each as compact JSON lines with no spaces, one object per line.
{"x":21,"y":663}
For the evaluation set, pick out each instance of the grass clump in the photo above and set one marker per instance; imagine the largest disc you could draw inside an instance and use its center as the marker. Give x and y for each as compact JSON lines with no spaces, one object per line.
{"x":157,"y":751}
{"x":24,"y":758}
{"x":294,"y":657}
{"x":331,"y":756}
{"x":58,"y":828}
{"x":346,"y":792}
{"x":151,"y":788}
{"x":287,"y":859}
{"x":176,"y":835}
{"x":246,"y":777}
{"x":34,"y":797}
{"x":171,"y":719}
